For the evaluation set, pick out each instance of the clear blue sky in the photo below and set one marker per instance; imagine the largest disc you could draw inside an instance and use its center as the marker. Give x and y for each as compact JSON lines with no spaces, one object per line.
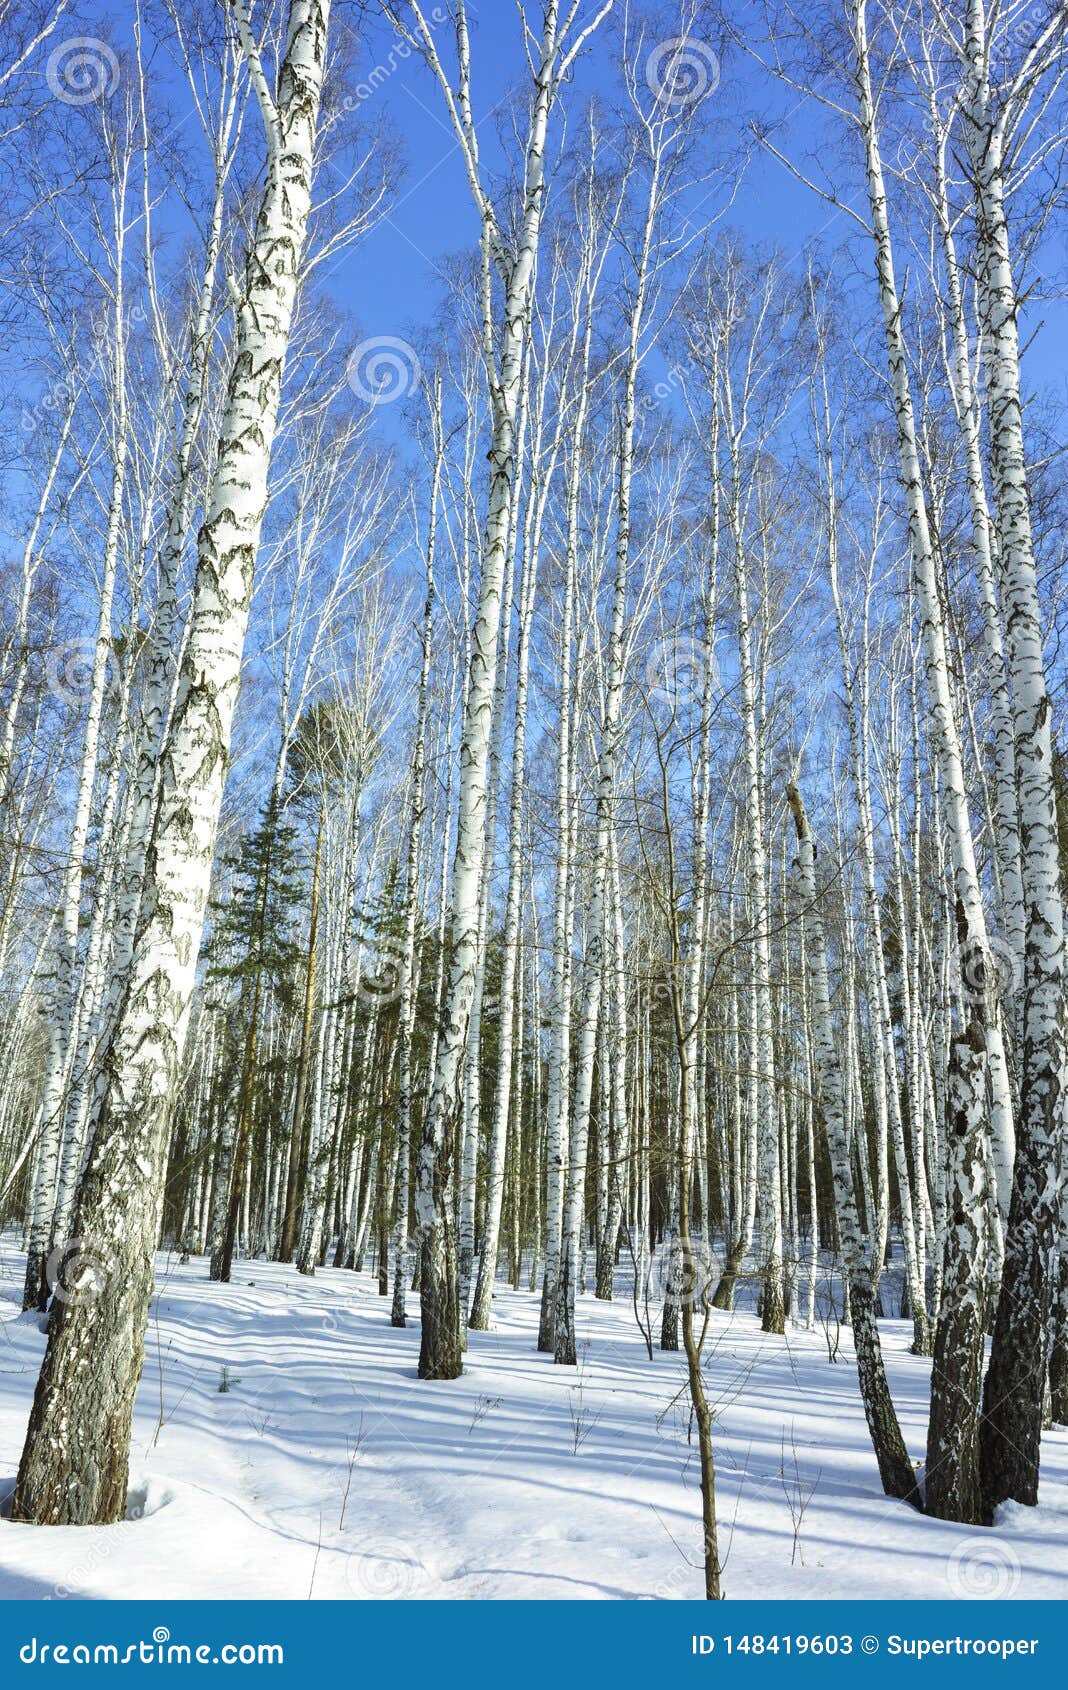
{"x":393,"y":279}
{"x":392,"y":283}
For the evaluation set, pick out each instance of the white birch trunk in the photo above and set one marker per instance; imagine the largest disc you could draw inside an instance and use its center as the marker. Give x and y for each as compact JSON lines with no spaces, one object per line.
{"x":82,"y":1410}
{"x":1012,"y":1425}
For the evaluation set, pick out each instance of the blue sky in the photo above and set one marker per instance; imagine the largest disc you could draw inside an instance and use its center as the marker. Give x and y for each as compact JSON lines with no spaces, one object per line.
{"x":392,"y":283}
{"x":392,"y":280}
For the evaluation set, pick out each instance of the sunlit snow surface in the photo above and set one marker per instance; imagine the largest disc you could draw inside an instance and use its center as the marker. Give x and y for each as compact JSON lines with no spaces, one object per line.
{"x":475,"y":1488}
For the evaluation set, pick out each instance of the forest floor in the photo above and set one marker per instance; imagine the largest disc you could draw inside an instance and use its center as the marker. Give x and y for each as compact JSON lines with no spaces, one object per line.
{"x":325,"y":1468}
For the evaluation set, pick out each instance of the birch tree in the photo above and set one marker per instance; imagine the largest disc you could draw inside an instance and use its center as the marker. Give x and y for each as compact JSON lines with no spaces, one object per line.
{"x":75,"y":1463}
{"x":504,"y":339}
{"x":1013,"y":1393}
{"x":895,"y":1468}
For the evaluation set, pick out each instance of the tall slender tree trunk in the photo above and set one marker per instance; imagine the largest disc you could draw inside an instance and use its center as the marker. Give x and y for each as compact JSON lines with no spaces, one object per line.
{"x":298,"y":1149}
{"x":406,"y":1028}
{"x":972,"y":944}
{"x":64,"y":985}
{"x":441,"y":1336}
{"x":1014,"y":1390}
{"x":895,"y":1468}
{"x":951,"y":1482}
{"x":74,"y":1467}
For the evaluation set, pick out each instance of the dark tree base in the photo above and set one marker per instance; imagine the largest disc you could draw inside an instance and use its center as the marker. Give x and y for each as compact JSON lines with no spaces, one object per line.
{"x":1058,"y":1360}
{"x":891,"y":1453}
{"x":669,"y":1326}
{"x":35,"y":1290}
{"x":441,"y":1341}
{"x":547,"y":1318}
{"x":75,"y":1463}
{"x":772,"y":1306}
{"x":723,"y":1296}
{"x":565,"y":1353}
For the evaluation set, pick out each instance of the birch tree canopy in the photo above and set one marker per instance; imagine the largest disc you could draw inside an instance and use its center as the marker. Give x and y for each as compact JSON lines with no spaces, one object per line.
{"x":532,"y":795}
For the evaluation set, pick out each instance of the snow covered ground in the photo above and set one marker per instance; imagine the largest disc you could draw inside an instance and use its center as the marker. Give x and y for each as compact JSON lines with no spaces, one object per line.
{"x":327,"y":1469}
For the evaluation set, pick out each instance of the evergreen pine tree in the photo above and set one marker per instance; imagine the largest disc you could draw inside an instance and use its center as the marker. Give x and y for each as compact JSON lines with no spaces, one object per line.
{"x":255,"y":947}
